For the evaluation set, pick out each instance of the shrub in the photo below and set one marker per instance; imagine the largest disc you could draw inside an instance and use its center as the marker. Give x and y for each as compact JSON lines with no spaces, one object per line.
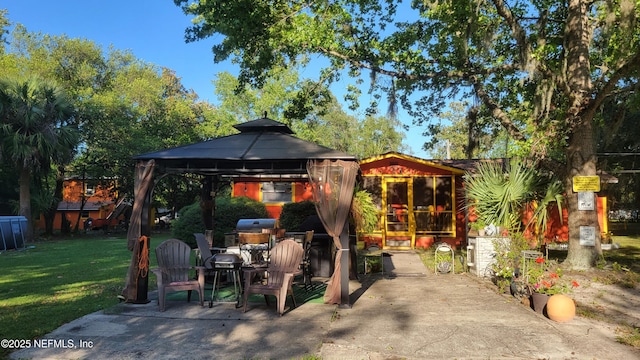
{"x":364,"y":211}
{"x":189,"y":222}
{"x":228,"y":211}
{"x":293,"y":214}
{"x":231,"y":209}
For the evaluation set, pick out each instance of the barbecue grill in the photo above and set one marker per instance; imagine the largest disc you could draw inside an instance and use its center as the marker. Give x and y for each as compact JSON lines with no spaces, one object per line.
{"x":231,"y":263}
{"x":253,"y":237}
{"x":226,"y":261}
{"x":255,"y":225}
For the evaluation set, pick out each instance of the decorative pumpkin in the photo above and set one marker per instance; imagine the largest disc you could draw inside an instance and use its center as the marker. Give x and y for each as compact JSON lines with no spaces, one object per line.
{"x":561,"y":308}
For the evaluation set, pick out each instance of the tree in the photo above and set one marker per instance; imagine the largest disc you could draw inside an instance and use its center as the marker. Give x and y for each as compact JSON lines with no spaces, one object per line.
{"x":467,"y":135}
{"x":124,"y":107}
{"x":4,"y":23}
{"x":323,"y":121}
{"x":541,"y":69}
{"x":35,"y":132}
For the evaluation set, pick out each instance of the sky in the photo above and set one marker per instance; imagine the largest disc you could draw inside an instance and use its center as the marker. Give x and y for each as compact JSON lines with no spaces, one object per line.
{"x":153,"y":30}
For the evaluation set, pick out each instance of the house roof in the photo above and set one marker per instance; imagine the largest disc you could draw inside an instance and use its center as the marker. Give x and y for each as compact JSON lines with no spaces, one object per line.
{"x":470,"y":165}
{"x":263,"y":147}
{"x":431,"y":163}
{"x":88,"y":206}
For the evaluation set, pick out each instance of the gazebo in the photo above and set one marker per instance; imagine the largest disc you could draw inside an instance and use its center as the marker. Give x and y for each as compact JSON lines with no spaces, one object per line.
{"x":263,"y":149}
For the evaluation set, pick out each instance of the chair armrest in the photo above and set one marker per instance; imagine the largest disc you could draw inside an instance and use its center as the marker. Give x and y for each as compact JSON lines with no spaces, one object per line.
{"x":248,"y":274}
{"x":288,"y":278}
{"x":201,"y":270}
{"x":158,"y":273}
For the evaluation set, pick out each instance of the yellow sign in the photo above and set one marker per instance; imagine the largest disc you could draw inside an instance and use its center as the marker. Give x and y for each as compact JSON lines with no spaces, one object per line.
{"x":586,"y":183}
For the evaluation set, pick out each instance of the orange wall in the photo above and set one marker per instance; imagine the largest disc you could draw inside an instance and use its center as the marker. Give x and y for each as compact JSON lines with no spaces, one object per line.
{"x":559,"y":230}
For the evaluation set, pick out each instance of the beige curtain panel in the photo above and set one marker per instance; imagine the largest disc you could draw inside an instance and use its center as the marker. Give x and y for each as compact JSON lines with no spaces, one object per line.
{"x":332,"y":184}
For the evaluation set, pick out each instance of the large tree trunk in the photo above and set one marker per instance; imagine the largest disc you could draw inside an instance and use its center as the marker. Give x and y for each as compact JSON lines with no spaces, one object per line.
{"x":581,"y":156}
{"x":25,"y":202}
{"x":581,"y":161}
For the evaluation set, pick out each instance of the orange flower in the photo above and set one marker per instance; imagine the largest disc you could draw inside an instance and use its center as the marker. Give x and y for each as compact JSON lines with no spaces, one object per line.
{"x":574,"y":284}
{"x":554,"y":276}
{"x":540,"y":260}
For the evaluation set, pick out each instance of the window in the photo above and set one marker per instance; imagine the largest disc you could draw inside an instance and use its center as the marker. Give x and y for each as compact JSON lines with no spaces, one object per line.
{"x":276,"y":192}
{"x":433,"y":204}
{"x":89,"y":190}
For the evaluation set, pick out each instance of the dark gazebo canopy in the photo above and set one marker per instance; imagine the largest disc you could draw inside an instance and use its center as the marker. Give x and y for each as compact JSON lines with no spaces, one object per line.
{"x":263,"y":147}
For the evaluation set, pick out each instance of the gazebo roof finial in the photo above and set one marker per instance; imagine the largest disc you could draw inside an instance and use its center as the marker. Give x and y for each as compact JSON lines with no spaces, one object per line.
{"x":262,"y":125}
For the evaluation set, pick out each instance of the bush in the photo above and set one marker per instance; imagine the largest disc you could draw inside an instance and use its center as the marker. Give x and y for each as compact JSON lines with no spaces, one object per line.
{"x":228,"y":211}
{"x":231,"y":209}
{"x":189,"y":222}
{"x":293,"y":214}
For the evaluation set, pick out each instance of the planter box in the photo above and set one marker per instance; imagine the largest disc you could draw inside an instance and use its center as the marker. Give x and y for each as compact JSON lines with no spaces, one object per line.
{"x":481,"y":254}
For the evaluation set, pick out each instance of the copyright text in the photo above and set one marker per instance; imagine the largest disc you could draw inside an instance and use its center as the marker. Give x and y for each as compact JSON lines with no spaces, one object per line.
{"x":45,"y":343}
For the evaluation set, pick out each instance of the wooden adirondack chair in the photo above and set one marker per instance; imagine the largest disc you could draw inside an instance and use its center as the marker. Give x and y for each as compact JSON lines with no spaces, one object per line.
{"x":173,"y":270}
{"x":284,"y":262}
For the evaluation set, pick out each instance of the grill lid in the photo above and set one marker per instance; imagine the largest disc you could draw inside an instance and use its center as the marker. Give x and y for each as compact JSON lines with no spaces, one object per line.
{"x":255,"y":225}
{"x":226,"y":261}
{"x":227,"y":258}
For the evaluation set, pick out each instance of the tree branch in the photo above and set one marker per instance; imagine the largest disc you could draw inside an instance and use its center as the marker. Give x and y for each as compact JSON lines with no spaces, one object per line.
{"x":425,"y":76}
{"x":517,"y":31}
{"x":496,"y":111}
{"x":629,"y":66}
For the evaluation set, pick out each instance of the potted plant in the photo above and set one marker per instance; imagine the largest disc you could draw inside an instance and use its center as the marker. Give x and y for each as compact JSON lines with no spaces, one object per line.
{"x":545,"y":279}
{"x":477,"y":227}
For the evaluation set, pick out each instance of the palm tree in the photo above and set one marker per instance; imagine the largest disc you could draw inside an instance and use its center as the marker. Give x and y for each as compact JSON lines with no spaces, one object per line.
{"x":501,"y":196}
{"x":35,"y":132}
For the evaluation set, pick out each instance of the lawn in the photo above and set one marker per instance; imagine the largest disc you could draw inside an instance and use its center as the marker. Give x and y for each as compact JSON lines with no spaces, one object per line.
{"x":627,"y":235}
{"x":53,"y":282}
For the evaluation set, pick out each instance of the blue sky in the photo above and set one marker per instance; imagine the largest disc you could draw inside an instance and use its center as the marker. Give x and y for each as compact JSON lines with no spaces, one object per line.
{"x":153,"y":30}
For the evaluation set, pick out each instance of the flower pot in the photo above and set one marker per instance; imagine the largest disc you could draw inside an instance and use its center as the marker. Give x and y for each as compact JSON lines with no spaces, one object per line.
{"x":561,"y":308}
{"x":539,"y":302}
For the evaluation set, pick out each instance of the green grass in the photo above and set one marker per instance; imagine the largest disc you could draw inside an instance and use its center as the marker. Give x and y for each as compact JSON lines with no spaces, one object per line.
{"x":54,"y":282}
{"x":628,"y":236}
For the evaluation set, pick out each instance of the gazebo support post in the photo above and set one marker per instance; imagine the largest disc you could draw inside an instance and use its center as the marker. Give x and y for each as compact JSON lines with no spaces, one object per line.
{"x":145,"y":229}
{"x":344,"y":268}
{"x":207,"y":202}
